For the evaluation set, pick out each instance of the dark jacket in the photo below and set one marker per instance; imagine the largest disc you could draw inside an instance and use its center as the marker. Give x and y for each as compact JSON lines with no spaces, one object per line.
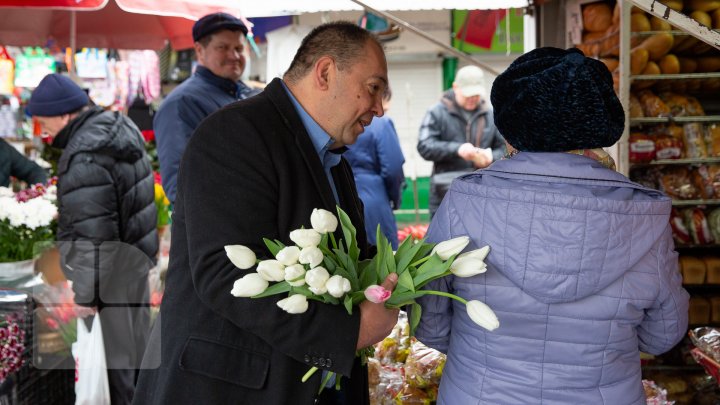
{"x":377,"y":162}
{"x":444,"y":128}
{"x":13,"y":163}
{"x":181,"y":112}
{"x":250,"y":171}
{"x":107,"y":225}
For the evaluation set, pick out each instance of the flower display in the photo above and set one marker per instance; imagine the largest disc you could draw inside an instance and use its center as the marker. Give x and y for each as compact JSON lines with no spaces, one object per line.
{"x":26,"y":219}
{"x":58,"y":310}
{"x":12,"y":345}
{"x":162,"y":203}
{"x":321,"y":268}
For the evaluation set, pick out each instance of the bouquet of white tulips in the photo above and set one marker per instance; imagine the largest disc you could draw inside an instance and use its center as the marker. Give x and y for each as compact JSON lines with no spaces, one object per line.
{"x":320,"y":268}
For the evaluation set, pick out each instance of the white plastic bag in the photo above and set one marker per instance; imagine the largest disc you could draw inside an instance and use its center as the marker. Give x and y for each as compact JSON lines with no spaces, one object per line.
{"x":91,"y":382}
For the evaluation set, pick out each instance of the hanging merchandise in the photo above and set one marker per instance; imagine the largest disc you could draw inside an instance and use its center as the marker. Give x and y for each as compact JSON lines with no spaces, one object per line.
{"x":31,"y":66}
{"x":7,"y":72}
{"x":91,"y":63}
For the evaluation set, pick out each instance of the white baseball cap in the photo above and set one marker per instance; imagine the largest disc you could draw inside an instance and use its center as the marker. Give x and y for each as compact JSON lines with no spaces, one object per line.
{"x":470,"y":81}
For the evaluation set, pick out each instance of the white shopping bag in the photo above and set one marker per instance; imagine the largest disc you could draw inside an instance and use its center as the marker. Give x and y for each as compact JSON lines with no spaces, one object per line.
{"x":91,"y":382}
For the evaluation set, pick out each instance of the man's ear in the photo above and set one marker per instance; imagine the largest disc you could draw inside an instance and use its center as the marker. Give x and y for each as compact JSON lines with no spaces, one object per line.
{"x":323,"y":72}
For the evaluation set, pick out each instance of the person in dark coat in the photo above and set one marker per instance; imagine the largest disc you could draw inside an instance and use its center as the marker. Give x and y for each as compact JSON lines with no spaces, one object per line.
{"x":219,"y":42}
{"x":257,"y":168}
{"x":14,"y":163}
{"x":377,"y":163}
{"x":458,"y":134}
{"x":107,"y":219}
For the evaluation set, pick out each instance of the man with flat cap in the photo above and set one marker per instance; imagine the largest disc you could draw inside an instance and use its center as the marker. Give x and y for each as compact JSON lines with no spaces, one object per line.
{"x":219,"y":43}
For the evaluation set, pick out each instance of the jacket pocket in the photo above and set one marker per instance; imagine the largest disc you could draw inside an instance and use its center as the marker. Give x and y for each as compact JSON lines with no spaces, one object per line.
{"x":223,"y":362}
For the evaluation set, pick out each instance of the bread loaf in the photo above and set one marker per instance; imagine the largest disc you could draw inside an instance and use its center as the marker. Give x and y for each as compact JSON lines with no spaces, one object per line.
{"x":638,"y":60}
{"x":703,"y":5}
{"x":693,"y":270}
{"x":687,"y":65}
{"x":699,"y":313}
{"x":669,"y":64}
{"x":657,"y":45}
{"x":702,"y":17}
{"x":715,"y":309}
{"x":712,"y":266}
{"x":597,"y":17}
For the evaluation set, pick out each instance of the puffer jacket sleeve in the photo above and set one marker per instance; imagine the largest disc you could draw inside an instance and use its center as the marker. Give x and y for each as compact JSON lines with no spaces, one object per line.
{"x":437,"y":311}
{"x":666,"y":321}
{"x":433,"y":144}
{"x":88,"y":219}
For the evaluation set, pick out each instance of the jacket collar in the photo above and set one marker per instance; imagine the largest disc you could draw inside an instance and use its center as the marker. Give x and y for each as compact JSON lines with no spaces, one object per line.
{"x":277,"y":95}
{"x":234,"y":89}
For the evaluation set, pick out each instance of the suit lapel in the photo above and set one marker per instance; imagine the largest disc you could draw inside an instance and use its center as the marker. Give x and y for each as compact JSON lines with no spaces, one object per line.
{"x":291,"y":119}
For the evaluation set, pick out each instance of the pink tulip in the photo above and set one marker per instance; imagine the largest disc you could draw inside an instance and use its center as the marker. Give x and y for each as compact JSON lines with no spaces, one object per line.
{"x":377,"y":294}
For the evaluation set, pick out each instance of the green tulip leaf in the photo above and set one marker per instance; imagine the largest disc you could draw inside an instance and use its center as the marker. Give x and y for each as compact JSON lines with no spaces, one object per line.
{"x":277,"y":288}
{"x":405,"y":280}
{"x":348,"y":302}
{"x":274,"y":246}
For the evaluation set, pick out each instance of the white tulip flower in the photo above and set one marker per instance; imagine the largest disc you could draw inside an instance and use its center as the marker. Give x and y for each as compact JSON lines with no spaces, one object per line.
{"x":288,"y":255}
{"x":450,"y":247}
{"x":317,"y":277}
{"x":294,"y":304}
{"x":271,"y":270}
{"x":318,"y":291}
{"x":311,"y":255}
{"x":241,"y":256}
{"x":479,"y":254}
{"x":250,"y":285}
{"x":305,"y":237}
{"x":295,"y":275}
{"x":467,"y":266}
{"x":482,"y":315}
{"x":337,"y":286}
{"x":323,"y":221}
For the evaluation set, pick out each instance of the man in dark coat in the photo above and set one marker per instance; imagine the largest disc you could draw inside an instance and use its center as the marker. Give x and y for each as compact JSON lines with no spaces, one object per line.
{"x":14,"y":163}
{"x":107,"y":220}
{"x":257,"y":168}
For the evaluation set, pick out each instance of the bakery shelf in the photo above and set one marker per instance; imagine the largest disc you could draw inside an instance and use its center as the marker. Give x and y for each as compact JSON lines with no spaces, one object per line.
{"x":663,"y":120}
{"x":673,"y":32}
{"x":682,"y":203}
{"x":688,"y":161}
{"x":708,"y":246}
{"x":679,"y":76}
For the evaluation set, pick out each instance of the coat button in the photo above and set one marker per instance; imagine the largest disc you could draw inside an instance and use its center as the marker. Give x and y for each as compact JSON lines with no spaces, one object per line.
{"x":322,"y":362}
{"x":314,"y":361}
{"x":328,"y":363}
{"x":307,"y":359}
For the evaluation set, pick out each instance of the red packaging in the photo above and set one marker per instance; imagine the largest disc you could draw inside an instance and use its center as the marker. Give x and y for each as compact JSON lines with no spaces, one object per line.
{"x":642,"y":148}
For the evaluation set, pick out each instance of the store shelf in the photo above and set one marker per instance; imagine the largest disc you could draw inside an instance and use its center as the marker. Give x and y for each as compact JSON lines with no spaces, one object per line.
{"x":663,"y":120}
{"x":673,"y":32}
{"x":693,"y":161}
{"x":680,"y":76}
{"x":683,"y":203}
{"x":709,"y":246}
{"x":701,"y":289}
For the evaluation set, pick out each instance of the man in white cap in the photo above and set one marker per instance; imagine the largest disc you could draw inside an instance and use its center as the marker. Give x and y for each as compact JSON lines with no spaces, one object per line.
{"x":458,"y":133}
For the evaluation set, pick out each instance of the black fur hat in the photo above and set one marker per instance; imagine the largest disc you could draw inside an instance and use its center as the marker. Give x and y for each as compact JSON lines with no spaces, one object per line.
{"x":555,"y":100}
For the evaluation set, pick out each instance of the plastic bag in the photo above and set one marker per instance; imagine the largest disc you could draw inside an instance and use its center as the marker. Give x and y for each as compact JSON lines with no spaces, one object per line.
{"x":32,"y":66}
{"x":91,"y":381}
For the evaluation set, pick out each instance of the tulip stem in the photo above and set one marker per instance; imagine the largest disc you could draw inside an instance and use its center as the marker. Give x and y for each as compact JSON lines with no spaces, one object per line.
{"x":442,"y":294}
{"x":309,"y":374}
{"x":334,"y":242}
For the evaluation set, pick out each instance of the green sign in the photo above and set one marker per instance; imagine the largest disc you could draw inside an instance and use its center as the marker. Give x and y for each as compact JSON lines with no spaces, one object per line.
{"x":488,"y":31}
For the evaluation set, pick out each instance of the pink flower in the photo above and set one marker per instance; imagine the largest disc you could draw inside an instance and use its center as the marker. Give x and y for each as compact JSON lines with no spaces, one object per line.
{"x":53,"y":324}
{"x":377,"y":294}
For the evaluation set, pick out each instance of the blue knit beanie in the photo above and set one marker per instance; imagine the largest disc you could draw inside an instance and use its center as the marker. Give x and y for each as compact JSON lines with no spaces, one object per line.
{"x":56,"y":95}
{"x":555,"y":100}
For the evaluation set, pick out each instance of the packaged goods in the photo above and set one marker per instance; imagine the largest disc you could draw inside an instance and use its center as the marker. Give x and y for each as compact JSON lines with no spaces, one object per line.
{"x":703,"y":182}
{"x":677,"y":103}
{"x":694,"y":140}
{"x":712,"y":138}
{"x":694,"y":108}
{"x":714,"y":178}
{"x":652,"y":105}
{"x":675,"y":182}
{"x":714,"y":223}
{"x":668,"y":147}
{"x":698,"y":226}
{"x":424,"y":365}
{"x":707,"y":339}
{"x":642,"y":147}
{"x":636,"y":110}
{"x":680,"y":231}
{"x":654,"y":394}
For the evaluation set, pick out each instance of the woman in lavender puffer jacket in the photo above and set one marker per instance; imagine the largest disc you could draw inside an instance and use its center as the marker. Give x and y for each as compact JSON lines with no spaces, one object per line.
{"x":582,"y":272}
